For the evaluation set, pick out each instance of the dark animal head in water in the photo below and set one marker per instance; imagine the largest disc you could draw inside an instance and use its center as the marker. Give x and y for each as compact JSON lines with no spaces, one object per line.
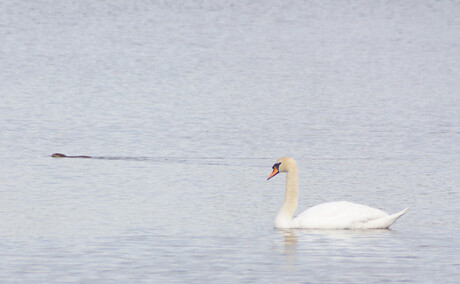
{"x":59,"y":155}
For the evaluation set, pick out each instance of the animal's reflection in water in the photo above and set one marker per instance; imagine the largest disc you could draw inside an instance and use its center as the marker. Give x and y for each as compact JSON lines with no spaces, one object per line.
{"x":288,"y":247}
{"x":290,"y":241}
{"x":296,"y":244}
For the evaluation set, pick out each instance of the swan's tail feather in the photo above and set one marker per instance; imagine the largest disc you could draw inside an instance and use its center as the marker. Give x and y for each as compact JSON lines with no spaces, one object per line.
{"x":386,"y":222}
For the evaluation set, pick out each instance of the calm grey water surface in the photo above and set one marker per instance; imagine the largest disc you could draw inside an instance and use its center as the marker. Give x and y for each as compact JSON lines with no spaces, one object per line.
{"x":191,"y":103}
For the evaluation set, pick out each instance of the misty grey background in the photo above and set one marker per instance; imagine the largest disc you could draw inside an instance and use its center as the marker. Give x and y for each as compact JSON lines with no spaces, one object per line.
{"x":190,"y":104}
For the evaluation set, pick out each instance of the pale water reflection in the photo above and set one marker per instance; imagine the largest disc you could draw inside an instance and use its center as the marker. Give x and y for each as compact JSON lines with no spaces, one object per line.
{"x":352,"y":240}
{"x":343,"y":255}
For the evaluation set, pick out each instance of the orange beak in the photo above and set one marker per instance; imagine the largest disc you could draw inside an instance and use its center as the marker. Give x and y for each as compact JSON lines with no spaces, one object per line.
{"x":274,"y":173}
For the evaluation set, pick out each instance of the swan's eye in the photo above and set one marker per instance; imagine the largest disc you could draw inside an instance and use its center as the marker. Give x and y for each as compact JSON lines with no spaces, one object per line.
{"x":276,"y":166}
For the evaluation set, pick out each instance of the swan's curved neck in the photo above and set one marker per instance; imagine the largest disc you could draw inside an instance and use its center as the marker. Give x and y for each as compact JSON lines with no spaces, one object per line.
{"x":284,"y":217}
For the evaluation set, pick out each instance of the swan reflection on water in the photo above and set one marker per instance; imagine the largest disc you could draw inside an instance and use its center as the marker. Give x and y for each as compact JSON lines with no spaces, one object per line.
{"x":318,"y":241}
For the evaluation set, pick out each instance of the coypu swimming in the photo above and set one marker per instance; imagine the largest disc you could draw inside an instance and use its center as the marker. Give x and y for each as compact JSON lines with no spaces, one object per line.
{"x":59,"y":155}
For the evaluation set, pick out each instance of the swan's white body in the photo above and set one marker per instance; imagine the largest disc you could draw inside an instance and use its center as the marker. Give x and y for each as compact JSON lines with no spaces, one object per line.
{"x":331,"y":215}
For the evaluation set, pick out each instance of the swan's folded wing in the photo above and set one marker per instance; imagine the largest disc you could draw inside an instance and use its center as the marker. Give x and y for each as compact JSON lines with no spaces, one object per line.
{"x":338,"y":215}
{"x":385,"y":222}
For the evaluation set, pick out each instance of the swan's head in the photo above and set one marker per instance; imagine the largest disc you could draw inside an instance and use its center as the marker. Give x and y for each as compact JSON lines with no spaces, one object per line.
{"x":282,"y":165}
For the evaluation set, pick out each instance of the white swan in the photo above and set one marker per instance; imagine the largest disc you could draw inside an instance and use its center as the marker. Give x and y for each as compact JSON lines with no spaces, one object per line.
{"x":331,"y":215}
